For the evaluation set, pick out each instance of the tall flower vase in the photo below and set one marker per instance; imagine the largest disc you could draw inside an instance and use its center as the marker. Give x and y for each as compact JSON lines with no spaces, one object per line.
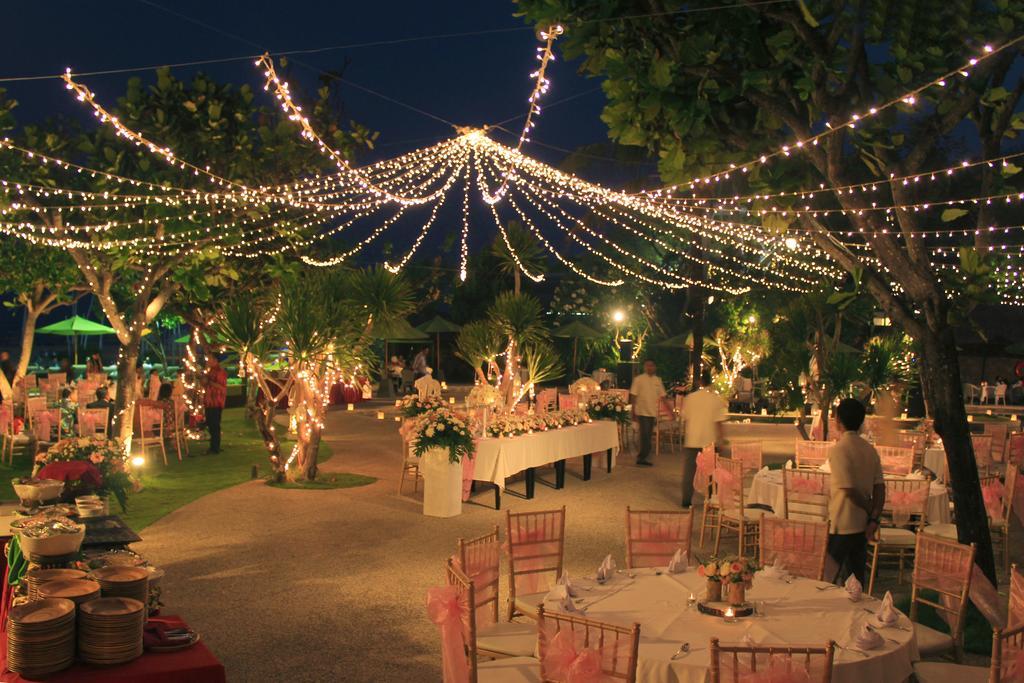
{"x":714,"y":591}
{"x":737,"y":594}
{"x":442,"y":484}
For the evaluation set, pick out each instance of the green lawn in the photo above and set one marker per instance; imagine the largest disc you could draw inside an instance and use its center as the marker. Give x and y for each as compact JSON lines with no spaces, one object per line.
{"x":166,"y":489}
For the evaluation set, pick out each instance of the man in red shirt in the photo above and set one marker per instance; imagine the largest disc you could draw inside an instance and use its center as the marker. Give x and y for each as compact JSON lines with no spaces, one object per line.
{"x":216,"y":384}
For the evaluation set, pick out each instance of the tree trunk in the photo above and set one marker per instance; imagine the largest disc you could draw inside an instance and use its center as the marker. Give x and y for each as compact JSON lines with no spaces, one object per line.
{"x":517,"y":280}
{"x":124,"y":404}
{"x":941,"y":374}
{"x":28,"y":333}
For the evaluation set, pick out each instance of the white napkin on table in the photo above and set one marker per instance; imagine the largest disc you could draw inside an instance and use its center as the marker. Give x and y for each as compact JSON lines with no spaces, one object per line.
{"x":916,"y":475}
{"x":607,"y":569}
{"x":853,"y":588}
{"x":868,"y":639}
{"x":777,"y":570}
{"x":679,"y":562}
{"x":887,"y":613}
{"x":789,"y":464}
{"x":570,"y":588}
{"x":825,"y":466}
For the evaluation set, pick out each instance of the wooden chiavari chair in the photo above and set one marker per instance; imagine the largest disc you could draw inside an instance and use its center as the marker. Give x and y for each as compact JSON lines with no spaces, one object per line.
{"x":734,"y":515}
{"x":810,"y":455}
{"x":151,"y":429}
{"x":750,"y":453}
{"x":547,"y":399}
{"x":93,"y":421}
{"x":805,"y":495}
{"x":709,"y":515}
{"x":982,"y":444}
{"x":906,"y":505}
{"x":6,"y":433}
{"x":915,"y":440}
{"x":536,"y":547}
{"x":1015,"y":610}
{"x":667,"y":422}
{"x":1015,"y":449}
{"x":33,"y":405}
{"x":1006,"y":665}
{"x":180,"y":425}
{"x":521,"y":669}
{"x":999,"y":431}
{"x":896,"y":461}
{"x":800,"y":546}
{"x":480,"y":559}
{"x":941,"y":567}
{"x":567,"y":402}
{"x":654,"y":536}
{"x":617,"y":647}
{"x":742,"y":660}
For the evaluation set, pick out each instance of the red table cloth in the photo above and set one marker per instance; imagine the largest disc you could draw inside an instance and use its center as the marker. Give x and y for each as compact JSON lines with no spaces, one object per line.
{"x":192,"y":665}
{"x":346,"y":393}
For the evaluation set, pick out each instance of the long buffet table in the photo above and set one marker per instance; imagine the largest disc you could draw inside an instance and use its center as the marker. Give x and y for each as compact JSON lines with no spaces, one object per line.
{"x":499,"y":458}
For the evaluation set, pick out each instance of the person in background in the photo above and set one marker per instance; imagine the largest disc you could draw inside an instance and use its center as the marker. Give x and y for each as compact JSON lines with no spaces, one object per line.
{"x":419,"y":363}
{"x":68,"y":411}
{"x":102,"y":401}
{"x":857,"y":495}
{"x":66,"y":368}
{"x":647,"y":393}
{"x":216,"y":384}
{"x":704,"y":411}
{"x":154,"y":384}
{"x":408,"y":377}
{"x":94,"y":364}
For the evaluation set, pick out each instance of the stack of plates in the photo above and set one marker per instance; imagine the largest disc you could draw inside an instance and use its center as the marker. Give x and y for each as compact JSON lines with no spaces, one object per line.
{"x":110,"y":630}
{"x":124,"y":582}
{"x":75,"y":590}
{"x":41,"y":637}
{"x":37,"y":577}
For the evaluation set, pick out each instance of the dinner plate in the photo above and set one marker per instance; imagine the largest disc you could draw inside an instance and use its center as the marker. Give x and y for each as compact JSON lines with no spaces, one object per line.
{"x":42,"y":611}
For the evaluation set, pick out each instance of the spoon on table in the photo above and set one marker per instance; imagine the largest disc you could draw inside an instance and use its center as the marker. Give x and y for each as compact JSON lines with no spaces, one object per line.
{"x":850,"y":649}
{"x":825,"y":588}
{"x":684,"y":649}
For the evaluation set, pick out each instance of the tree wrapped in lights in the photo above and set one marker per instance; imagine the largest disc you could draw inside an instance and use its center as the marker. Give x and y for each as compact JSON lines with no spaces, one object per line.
{"x":784,"y":104}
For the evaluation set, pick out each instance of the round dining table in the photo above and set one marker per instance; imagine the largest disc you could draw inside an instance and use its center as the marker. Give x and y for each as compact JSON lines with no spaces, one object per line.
{"x":766,"y":491}
{"x":796,"y":612}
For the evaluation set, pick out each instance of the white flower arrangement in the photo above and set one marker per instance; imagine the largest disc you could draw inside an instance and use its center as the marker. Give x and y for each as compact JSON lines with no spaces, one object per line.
{"x":442,"y":428}
{"x":608,"y":406}
{"x":485,"y":395}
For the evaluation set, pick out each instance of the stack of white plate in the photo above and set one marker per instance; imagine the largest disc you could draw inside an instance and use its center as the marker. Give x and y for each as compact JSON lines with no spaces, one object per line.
{"x":124,"y":582}
{"x":75,"y":590}
{"x":110,"y":630}
{"x":37,"y":577}
{"x":41,"y":637}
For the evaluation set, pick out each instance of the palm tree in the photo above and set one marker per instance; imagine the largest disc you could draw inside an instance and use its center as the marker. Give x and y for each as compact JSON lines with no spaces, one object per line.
{"x":517,"y":317}
{"x":479,"y":344}
{"x":527,"y":254}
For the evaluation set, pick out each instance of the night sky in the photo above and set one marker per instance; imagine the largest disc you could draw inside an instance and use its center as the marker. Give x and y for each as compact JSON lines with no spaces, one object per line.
{"x":466,"y":80}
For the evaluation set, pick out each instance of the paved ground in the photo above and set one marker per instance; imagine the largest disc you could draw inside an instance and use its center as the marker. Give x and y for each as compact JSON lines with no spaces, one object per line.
{"x":291,"y":585}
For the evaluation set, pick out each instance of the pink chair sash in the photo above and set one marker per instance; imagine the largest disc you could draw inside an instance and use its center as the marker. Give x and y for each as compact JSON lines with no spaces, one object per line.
{"x":446,"y":610}
{"x":1013,"y":669}
{"x":90,"y":423}
{"x":904,"y":504}
{"x":985,"y":597}
{"x":993,"y":495}
{"x":657,"y":542}
{"x":42,"y":425}
{"x":726,"y":485}
{"x":809,"y":485}
{"x":565,"y":663}
{"x":484,"y":574}
{"x":780,"y":669}
{"x":705,"y":466}
{"x":6,"y":416}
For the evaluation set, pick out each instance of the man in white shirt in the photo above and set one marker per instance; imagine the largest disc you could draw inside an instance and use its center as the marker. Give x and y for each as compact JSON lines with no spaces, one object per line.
{"x":856,"y":495}
{"x":419,"y":363}
{"x":704,"y":411}
{"x":646,"y":394}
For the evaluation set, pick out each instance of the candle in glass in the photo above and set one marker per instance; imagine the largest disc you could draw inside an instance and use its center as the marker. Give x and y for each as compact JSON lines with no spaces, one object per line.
{"x":730,"y":614}
{"x":380,"y":414}
{"x":351,"y":406}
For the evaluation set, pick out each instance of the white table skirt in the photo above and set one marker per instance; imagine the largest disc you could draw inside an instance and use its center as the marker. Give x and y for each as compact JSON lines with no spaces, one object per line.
{"x":499,"y":458}
{"x":796,"y":614}
{"x":935,"y":460}
{"x":766,"y":489}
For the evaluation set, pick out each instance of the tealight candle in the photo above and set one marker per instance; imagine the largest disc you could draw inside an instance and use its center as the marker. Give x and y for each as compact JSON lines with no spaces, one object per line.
{"x":398,"y":402}
{"x":397,"y":419}
{"x":691,"y":601}
{"x":730,"y":614}
{"x":380,"y":414}
{"x":764,"y":411}
{"x":444,"y":385}
{"x":451,"y":399}
{"x":351,"y":406}
{"x":903,"y":416}
{"x":970,"y":418}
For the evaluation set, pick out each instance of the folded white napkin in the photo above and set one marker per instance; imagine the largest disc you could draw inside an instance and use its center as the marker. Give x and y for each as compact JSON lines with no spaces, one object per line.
{"x":776,"y":570}
{"x":853,"y":588}
{"x":789,"y":464}
{"x":560,"y":594}
{"x":887,"y":613}
{"x":607,"y":569}
{"x":868,"y":639}
{"x":564,"y":580}
{"x":679,"y":562}
{"x":916,"y":475}
{"x":825,"y":467}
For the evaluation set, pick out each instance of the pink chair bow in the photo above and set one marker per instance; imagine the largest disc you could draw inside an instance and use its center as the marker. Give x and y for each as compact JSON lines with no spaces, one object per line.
{"x":564,"y":663}
{"x":726,"y":485}
{"x":781,"y":669}
{"x":42,"y":425}
{"x":445,"y":609}
{"x":906,"y":503}
{"x":810,"y":485}
{"x":993,"y":494}
{"x":705,"y":466}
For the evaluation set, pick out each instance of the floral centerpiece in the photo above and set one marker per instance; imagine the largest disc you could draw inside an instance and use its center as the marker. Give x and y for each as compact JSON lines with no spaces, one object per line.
{"x":606,"y":405}
{"x":573,"y":416}
{"x":107,"y":455}
{"x":485,"y":395}
{"x":711,"y":570}
{"x":441,"y":428}
{"x":738,"y":575}
{"x":412,"y":405}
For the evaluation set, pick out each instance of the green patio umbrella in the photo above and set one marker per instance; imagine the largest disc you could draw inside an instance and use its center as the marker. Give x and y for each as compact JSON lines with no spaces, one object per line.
{"x":74,"y":327}
{"x":684,"y":340}
{"x":183,"y":339}
{"x":576,"y":331}
{"x":436,"y":326}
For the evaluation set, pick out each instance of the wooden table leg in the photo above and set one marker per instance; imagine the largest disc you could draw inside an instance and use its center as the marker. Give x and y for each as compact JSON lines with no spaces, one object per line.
{"x":609,"y":461}
{"x":497,"y":497}
{"x":530,"y":482}
{"x":587,"y":461}
{"x":560,"y":474}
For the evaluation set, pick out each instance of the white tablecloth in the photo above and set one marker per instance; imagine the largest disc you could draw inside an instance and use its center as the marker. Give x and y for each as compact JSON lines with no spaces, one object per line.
{"x":766,"y":489}
{"x":797,"y":614}
{"x":935,"y":460}
{"x":499,"y":458}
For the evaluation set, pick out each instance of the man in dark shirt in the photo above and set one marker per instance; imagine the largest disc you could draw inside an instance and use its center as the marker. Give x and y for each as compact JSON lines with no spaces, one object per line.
{"x":102,"y":402}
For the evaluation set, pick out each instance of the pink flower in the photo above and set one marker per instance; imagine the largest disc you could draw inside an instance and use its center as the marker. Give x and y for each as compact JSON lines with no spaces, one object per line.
{"x":736,"y":567}
{"x":96,"y":458}
{"x":700,"y":570}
